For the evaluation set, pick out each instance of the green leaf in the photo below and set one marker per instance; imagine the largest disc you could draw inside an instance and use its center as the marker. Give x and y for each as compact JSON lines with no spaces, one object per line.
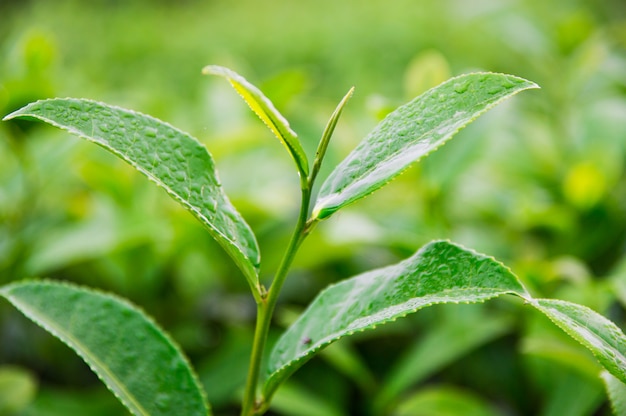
{"x":266,"y":111}
{"x":605,"y":340}
{"x":411,"y":132}
{"x":617,"y":393}
{"x":440,"y":346}
{"x":444,"y":401}
{"x":441,"y":272}
{"x":327,"y":134}
{"x":57,"y":401}
{"x":572,"y":394}
{"x":171,"y":158}
{"x":128,"y":352}
{"x":293,"y":400}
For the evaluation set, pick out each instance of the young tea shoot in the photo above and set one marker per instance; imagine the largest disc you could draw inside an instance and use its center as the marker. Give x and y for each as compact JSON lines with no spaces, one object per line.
{"x":144,"y":368}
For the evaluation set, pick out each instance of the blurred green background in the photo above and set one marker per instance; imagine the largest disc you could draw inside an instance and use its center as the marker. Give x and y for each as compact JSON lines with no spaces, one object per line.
{"x":539,"y":183}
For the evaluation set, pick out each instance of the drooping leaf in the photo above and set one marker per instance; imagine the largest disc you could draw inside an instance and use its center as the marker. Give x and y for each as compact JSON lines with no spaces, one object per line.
{"x":412,"y":131}
{"x":171,"y":158}
{"x":130,"y":354}
{"x":266,"y":111}
{"x":440,"y":272}
{"x":605,"y":340}
{"x":616,"y":390}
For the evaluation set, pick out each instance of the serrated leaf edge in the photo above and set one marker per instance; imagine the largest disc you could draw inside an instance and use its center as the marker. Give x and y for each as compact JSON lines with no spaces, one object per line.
{"x":324,"y":342}
{"x":273,"y":119}
{"x":321,"y":212}
{"x":319,"y":345}
{"x":56,"y":332}
{"x":251,"y":274}
{"x":579,"y":338}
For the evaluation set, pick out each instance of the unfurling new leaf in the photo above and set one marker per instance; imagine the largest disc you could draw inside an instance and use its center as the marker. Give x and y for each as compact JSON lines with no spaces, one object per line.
{"x":266,"y":111}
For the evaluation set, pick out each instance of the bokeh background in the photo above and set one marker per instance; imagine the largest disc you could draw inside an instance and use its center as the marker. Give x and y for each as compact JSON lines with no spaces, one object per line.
{"x":539,"y":183}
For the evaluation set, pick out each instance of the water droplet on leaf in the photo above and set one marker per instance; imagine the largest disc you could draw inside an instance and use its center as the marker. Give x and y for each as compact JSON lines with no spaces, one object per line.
{"x":461,"y":87}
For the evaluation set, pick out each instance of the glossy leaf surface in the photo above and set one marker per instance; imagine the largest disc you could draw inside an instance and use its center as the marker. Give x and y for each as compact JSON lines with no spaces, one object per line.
{"x":412,"y":131}
{"x":440,"y":272}
{"x":128,"y":352}
{"x":605,"y":340}
{"x":263,"y":107}
{"x":171,"y":158}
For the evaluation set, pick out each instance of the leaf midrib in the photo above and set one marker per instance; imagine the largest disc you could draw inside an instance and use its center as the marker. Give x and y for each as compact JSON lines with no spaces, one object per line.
{"x":80,"y":348}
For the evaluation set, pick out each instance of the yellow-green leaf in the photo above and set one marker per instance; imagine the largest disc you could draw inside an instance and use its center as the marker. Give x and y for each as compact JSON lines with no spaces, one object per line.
{"x":266,"y":111}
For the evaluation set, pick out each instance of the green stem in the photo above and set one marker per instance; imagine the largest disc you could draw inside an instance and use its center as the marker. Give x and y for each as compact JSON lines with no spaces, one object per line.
{"x":265,"y":308}
{"x":267,"y":301}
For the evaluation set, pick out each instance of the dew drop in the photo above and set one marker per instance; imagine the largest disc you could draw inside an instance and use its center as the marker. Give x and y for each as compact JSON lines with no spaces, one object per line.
{"x":150,"y":132}
{"x":104,"y":127}
{"x":461,"y":87}
{"x":179,"y":176}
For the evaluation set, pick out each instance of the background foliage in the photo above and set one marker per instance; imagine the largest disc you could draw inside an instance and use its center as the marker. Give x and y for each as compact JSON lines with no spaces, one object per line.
{"x":538,"y":182}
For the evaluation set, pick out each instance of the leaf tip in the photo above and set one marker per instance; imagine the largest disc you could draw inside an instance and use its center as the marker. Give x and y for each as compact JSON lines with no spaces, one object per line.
{"x":12,"y":115}
{"x":212,"y":70}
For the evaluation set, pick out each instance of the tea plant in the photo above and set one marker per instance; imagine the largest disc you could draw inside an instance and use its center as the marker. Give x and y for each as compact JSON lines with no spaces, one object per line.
{"x":144,"y":368}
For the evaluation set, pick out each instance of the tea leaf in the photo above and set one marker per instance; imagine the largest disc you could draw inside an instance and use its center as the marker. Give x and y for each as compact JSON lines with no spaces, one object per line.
{"x":441,"y":272}
{"x":616,"y":390}
{"x":266,"y":111}
{"x":410,"y":132}
{"x":605,"y":340}
{"x":171,"y":158}
{"x":327,"y":134}
{"x":128,"y":352}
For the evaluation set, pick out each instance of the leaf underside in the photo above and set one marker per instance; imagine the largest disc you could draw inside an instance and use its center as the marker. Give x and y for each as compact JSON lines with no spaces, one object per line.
{"x":441,"y":272}
{"x":410,"y":132}
{"x":171,"y":158}
{"x":263,"y":107}
{"x":128,"y":352}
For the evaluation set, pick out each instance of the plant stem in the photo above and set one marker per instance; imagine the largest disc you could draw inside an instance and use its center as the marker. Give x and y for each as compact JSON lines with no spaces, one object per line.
{"x":267,"y":301}
{"x":265,"y":308}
